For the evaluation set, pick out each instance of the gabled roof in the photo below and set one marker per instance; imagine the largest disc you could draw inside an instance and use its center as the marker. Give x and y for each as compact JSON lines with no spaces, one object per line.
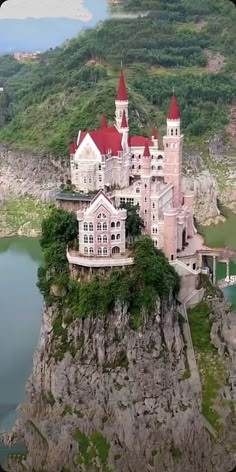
{"x":140,"y":141}
{"x":174,"y":113}
{"x":106,"y":139}
{"x":122,"y":91}
{"x":124,"y":123}
{"x":101,"y":199}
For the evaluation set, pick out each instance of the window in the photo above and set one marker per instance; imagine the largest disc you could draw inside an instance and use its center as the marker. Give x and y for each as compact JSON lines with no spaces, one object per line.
{"x":85,"y":180}
{"x":160,"y":168}
{"x":145,"y":199}
{"x":116,"y":250}
{"x":118,"y":236}
{"x":160,"y":157}
{"x":153,"y":168}
{"x":154,"y":230}
{"x":99,"y":226}
{"x":145,"y":186}
{"x":132,"y":156}
{"x":91,"y":239}
{"x":118,"y":224}
{"x":153,"y":217}
{"x":105,"y":251}
{"x":145,"y":212}
{"x":86,"y":251}
{"x":176,"y":132}
{"x":85,"y":238}
{"x":99,"y":166}
{"x":167,"y":145}
{"x":113,"y":224}
{"x":91,"y":251}
{"x":102,"y":215}
{"x":85,"y":226}
{"x":122,"y":200}
{"x":105,"y":239}
{"x":172,"y":132}
{"x":100,"y":178}
{"x":130,"y":201}
{"x":172,"y":257}
{"x":113,"y":237}
{"x":99,"y":251}
{"x":90,"y":226}
{"x":139,"y":167}
{"x":76,"y":166}
{"x":153,"y":205}
{"x":99,"y":239}
{"x":90,"y":180}
{"x":133,"y":166}
{"x":139,"y":156}
{"x":105,"y":226}
{"x":156,"y":242}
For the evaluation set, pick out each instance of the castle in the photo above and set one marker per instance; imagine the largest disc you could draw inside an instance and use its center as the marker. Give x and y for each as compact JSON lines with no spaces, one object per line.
{"x":134,"y":170}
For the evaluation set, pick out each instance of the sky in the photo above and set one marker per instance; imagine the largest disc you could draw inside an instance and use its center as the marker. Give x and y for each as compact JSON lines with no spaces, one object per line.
{"x":21,"y":9}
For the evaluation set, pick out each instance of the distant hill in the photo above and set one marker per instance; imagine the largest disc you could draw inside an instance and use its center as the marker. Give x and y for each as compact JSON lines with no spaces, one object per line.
{"x":180,"y":43}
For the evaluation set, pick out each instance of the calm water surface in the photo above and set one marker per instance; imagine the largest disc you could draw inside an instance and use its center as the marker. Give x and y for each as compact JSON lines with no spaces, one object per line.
{"x":20,"y":320}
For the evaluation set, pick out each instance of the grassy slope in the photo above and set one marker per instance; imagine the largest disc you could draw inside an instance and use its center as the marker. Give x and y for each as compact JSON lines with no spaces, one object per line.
{"x":46,"y":103}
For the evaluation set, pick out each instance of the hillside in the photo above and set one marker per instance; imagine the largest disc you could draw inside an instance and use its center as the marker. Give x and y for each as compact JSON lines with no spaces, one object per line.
{"x":182,"y":44}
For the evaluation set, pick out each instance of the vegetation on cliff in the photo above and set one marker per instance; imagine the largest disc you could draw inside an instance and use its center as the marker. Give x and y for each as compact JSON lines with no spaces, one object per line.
{"x":150,"y":278}
{"x":180,"y":43}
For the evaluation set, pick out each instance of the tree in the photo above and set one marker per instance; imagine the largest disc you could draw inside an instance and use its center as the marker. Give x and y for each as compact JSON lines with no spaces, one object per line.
{"x":59,"y":227}
{"x":134,"y":223}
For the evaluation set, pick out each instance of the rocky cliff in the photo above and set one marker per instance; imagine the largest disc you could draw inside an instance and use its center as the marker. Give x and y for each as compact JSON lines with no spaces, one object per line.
{"x":109,"y":398}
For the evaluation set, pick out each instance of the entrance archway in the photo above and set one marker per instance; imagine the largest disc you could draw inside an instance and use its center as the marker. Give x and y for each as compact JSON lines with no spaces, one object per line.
{"x":116,"y":250}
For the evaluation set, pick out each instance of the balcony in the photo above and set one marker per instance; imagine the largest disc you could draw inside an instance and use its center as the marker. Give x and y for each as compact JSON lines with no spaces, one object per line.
{"x":117,"y":260}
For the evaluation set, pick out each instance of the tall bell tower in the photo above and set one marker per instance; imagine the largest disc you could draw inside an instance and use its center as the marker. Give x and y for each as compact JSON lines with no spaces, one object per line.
{"x":173,"y":147}
{"x":122,"y":103}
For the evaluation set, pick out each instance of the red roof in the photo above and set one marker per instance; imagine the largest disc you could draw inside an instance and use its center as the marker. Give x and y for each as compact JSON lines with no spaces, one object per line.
{"x":154,"y":133}
{"x":140,"y":141}
{"x":122,"y":92}
{"x":105,"y":139}
{"x":174,"y":113}
{"x":124,"y":120}
{"x":73,"y":148}
{"x":146,"y":152}
{"x":104,"y":122}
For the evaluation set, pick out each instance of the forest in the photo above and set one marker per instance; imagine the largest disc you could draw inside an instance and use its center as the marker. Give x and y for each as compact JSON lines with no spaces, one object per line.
{"x":171,"y":44}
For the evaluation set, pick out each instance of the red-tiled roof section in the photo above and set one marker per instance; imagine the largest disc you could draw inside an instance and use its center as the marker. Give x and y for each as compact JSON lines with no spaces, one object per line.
{"x":124,"y":123}
{"x":174,"y":113}
{"x":105,"y":139}
{"x":122,"y":91}
{"x":140,"y":141}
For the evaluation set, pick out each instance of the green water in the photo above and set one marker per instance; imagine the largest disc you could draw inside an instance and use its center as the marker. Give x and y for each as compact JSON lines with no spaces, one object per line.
{"x":20,"y":317}
{"x":223,"y":235}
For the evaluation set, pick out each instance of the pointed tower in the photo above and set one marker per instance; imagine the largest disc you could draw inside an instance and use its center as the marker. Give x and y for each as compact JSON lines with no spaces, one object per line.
{"x":124,"y":129}
{"x":146,"y":188}
{"x":122,"y":103}
{"x":173,"y":147}
{"x":103,"y":122}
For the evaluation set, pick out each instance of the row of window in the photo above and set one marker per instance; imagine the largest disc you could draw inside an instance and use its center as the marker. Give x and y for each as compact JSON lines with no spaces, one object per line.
{"x":101,"y":226}
{"x":160,"y":168}
{"x":100,"y":239}
{"x":153,"y":157}
{"x":101,"y":251}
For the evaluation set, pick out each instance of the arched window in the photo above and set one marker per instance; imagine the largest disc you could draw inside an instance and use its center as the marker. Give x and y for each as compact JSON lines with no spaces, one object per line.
{"x":105,"y":226}
{"x":85,"y":226}
{"x":90,"y":226}
{"x":99,"y":226}
{"x":99,"y":166}
{"x":91,"y":251}
{"x":90,"y":180}
{"x":153,"y":205}
{"x":85,"y":238}
{"x":139,"y":156}
{"x":113,"y":237}
{"x":159,"y":157}
{"x":86,"y":251}
{"x":176,"y":132}
{"x":139,"y":167}
{"x":105,"y":251}
{"x":145,"y":199}
{"x":160,"y":168}
{"x":116,"y":250}
{"x":172,"y":132}
{"x":145,"y":186}
{"x":118,"y":236}
{"x":105,"y":239}
{"x":91,"y":239}
{"x":99,"y":239}
{"x":137,"y":190}
{"x":153,"y":168}
{"x":133,"y":166}
{"x":145,"y":212}
{"x":154,"y":230}
{"x":113,"y":224}
{"x":153,"y":217}
{"x":118,"y":224}
{"x":102,"y":215}
{"x":99,"y":251}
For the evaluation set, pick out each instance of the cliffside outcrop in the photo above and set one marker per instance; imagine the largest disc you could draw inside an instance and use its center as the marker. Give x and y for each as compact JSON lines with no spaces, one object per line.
{"x":110,"y":398}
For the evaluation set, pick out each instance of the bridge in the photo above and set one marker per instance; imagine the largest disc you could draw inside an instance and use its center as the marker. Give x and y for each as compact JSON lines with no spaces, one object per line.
{"x":223,"y":255}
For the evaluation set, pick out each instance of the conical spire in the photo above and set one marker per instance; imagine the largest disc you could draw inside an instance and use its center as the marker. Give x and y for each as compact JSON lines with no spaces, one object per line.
{"x":103,"y":122}
{"x":174,"y":113}
{"x":124,"y":123}
{"x":146,"y":152}
{"x":122,"y":91}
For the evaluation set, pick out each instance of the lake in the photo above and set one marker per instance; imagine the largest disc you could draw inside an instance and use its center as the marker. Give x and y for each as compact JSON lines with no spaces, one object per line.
{"x":20,"y":317}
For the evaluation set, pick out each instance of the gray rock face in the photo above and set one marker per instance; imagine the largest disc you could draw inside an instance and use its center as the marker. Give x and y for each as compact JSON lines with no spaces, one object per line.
{"x":130,"y":386}
{"x":27,"y":174}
